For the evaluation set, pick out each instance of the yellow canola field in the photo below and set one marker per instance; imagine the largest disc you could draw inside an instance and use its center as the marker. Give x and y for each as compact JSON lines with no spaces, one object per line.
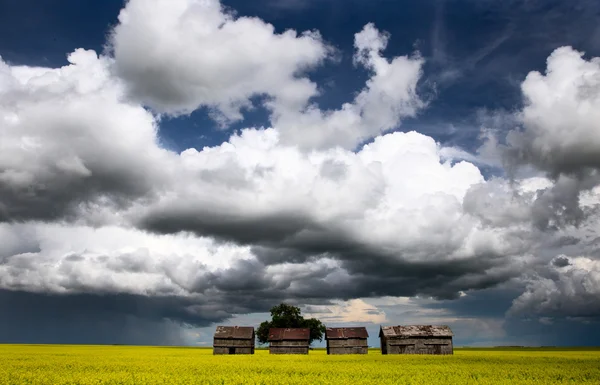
{"x":62,"y":364}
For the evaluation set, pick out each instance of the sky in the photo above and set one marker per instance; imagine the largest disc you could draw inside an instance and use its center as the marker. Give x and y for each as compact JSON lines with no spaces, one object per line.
{"x":167,"y":166}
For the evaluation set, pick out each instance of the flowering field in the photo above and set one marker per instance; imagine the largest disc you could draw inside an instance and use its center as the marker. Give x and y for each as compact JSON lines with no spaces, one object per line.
{"x":61,"y":364}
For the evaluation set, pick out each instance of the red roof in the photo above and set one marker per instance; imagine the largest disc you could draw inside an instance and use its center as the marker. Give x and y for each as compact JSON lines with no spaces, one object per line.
{"x":283,"y":334}
{"x":345,"y":333}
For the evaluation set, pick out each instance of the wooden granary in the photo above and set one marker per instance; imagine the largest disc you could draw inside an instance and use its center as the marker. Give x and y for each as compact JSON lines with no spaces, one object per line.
{"x":416,"y":339}
{"x":289,"y":340}
{"x":347,"y":340}
{"x":233,"y":340}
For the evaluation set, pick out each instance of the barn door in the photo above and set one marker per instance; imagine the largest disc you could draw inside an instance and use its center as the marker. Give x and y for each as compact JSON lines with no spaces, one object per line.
{"x":231,"y":350}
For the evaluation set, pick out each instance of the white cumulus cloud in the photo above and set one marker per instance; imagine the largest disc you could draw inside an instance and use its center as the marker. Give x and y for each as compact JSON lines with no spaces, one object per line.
{"x":68,"y":139}
{"x":561,"y":117}
{"x":179,"y":55}
{"x":389,"y":95}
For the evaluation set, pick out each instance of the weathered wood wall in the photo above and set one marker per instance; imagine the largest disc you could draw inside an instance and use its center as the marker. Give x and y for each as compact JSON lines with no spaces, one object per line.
{"x":347,"y":346}
{"x":347,"y":343}
{"x":417,"y":346}
{"x":232,"y":346}
{"x":233,"y":343}
{"x":294,"y":343}
{"x":225,"y":350}
{"x":288,"y":350}
{"x":289,"y":347}
{"x":349,"y":350}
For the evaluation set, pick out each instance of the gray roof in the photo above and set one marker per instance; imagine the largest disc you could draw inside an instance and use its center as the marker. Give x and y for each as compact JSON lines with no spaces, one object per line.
{"x":416,"y":331}
{"x":235,"y":332}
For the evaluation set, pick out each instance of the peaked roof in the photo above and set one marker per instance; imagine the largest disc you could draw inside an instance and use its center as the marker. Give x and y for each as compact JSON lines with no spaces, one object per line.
{"x":416,"y":331}
{"x":235,"y":332}
{"x":280,"y":334}
{"x":344,"y":333}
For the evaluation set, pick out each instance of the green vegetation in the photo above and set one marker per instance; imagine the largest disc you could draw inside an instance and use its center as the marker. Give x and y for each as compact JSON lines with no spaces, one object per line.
{"x":288,"y":316}
{"x":62,"y":364}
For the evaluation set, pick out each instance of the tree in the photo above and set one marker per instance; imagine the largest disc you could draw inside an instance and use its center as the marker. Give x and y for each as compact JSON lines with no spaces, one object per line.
{"x":288,"y":316}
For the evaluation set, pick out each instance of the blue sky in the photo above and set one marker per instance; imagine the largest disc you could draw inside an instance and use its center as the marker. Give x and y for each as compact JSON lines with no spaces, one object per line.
{"x":148,"y":190}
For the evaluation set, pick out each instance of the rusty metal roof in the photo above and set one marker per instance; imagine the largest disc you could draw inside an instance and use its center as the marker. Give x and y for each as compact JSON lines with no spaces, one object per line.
{"x":416,"y":331}
{"x":235,"y":332}
{"x":283,"y":334}
{"x":345,"y":333}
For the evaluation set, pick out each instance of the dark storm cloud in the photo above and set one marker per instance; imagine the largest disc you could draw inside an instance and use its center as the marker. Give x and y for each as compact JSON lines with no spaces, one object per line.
{"x":554,"y":332}
{"x":565,"y":288}
{"x":273,"y":256}
{"x":203,"y":298}
{"x":248,"y":286}
{"x":373,"y":271}
{"x":492,"y":302}
{"x":561,"y":261}
{"x":567,"y":241}
{"x":579,"y":159}
{"x":90,"y":319}
{"x":120,"y":318}
{"x":277,"y":228}
{"x":558,"y":206}
{"x":245,"y":276}
{"x":439,"y":280}
{"x":59,"y":198}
